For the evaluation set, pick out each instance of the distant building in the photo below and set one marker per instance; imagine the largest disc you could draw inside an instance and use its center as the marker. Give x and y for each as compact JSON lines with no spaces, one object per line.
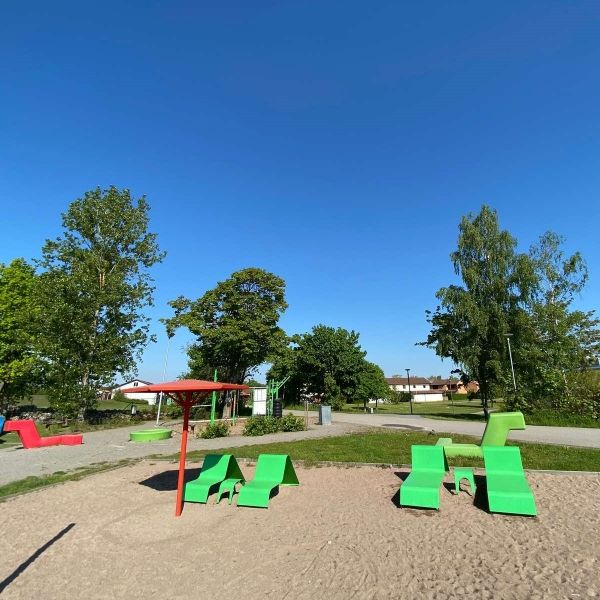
{"x":420,"y":387}
{"x":430,"y":390}
{"x":150,"y":398}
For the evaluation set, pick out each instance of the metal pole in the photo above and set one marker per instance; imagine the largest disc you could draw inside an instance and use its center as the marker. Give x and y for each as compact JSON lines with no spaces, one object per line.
{"x":213,"y":403}
{"x":164,"y":379}
{"x":512,"y":367}
{"x":409,"y":392}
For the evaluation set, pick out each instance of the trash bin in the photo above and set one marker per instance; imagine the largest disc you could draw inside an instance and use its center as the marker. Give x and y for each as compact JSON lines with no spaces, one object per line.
{"x":324,"y":415}
{"x":277,"y":409}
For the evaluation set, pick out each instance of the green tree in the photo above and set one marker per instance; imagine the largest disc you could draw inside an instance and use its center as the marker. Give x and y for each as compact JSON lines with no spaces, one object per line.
{"x":555,"y":340}
{"x":235,"y":324}
{"x":93,"y":289}
{"x":372,"y":385}
{"x":327,"y":362}
{"x":20,"y":367}
{"x":471,"y":321}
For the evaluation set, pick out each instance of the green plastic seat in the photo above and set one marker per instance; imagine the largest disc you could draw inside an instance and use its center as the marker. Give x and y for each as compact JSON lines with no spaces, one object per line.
{"x":507,"y":487}
{"x":495,"y":434}
{"x":227,"y":486}
{"x":272,"y":470}
{"x":215,"y":469}
{"x":422,"y":486}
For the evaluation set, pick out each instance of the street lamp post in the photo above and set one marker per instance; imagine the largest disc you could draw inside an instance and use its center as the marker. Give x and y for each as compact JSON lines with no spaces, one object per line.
{"x":512,"y":367}
{"x":409,"y":392}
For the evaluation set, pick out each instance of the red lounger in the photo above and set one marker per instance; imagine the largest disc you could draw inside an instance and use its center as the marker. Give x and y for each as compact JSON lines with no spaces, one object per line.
{"x":30,"y":438}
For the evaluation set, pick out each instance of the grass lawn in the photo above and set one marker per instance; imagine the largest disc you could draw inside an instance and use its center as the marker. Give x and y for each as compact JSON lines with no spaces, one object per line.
{"x":394,"y":448}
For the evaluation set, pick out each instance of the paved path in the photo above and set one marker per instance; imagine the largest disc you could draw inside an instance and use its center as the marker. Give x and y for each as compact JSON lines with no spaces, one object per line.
{"x":111,"y":445}
{"x":567,"y":436}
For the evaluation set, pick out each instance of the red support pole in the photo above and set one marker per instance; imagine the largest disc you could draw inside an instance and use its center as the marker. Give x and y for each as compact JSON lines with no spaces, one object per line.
{"x":184,"y":433}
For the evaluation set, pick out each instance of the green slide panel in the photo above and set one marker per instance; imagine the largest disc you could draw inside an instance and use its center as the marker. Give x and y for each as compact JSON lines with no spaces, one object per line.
{"x":422,"y":486}
{"x":272,"y":470}
{"x":507,"y":488}
{"x":150,"y":435}
{"x":215,"y":469}
{"x":495,"y":434}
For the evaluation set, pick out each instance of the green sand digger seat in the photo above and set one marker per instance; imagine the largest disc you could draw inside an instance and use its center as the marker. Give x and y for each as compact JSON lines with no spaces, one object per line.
{"x":495,"y":434}
{"x":507,"y":488}
{"x":272,"y":470}
{"x":215,"y":469}
{"x":422,"y":486}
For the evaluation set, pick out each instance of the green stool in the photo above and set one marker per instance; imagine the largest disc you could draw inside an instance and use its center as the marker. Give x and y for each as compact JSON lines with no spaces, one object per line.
{"x":464,"y":473}
{"x":227,"y":485}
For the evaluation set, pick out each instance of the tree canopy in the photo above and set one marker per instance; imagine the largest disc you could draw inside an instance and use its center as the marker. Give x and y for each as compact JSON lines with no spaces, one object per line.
{"x":20,"y":367}
{"x":524,"y":295}
{"x":235,"y":324}
{"x":94,"y":285}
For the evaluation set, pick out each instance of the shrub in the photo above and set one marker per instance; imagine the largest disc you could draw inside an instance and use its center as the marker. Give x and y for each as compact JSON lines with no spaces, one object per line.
{"x":215,"y":430}
{"x":262,"y":425}
{"x":292,"y":423}
{"x":337,"y":403}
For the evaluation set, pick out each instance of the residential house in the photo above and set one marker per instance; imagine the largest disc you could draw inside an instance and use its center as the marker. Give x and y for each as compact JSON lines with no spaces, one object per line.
{"x":420,"y":388}
{"x":150,"y":398}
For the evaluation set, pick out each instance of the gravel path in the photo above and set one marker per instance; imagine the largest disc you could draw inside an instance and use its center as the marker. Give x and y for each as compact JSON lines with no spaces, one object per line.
{"x":111,"y":445}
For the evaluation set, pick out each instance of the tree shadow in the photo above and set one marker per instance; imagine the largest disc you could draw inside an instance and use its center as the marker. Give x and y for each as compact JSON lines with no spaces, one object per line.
{"x":21,"y":568}
{"x":167,"y":480}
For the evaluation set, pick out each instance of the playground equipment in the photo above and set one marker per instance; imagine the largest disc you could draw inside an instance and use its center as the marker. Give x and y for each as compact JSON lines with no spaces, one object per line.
{"x":216,"y":470}
{"x":273,"y":387}
{"x":272,"y":470}
{"x":507,"y":487}
{"x":150,"y":435}
{"x":495,"y":434}
{"x":461,"y":473}
{"x":30,"y":437}
{"x":422,"y":486}
{"x":1,"y":424}
{"x":187,"y":393}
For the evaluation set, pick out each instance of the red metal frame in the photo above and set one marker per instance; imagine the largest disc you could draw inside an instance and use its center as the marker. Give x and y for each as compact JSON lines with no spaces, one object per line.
{"x":186,"y":392}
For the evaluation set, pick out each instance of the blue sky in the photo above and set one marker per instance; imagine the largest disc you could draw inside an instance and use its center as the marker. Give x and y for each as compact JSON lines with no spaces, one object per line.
{"x":336,"y":144}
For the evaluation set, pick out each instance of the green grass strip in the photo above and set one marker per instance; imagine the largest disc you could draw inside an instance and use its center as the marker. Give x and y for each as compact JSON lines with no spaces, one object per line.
{"x":394,"y":448}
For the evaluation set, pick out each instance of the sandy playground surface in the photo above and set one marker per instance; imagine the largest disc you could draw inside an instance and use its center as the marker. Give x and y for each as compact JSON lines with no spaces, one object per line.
{"x":339,"y":535}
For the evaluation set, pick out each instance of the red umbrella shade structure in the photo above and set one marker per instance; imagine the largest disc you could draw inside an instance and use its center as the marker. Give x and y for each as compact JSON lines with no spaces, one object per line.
{"x":186,"y":392}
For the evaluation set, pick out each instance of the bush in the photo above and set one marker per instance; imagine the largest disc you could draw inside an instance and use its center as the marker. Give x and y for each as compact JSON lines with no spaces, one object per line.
{"x":337,"y":403}
{"x":261,"y":425}
{"x":215,"y":430}
{"x":292,"y":423}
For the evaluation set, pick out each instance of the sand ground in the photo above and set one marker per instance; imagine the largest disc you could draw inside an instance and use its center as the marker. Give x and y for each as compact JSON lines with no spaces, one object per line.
{"x":340,"y":534}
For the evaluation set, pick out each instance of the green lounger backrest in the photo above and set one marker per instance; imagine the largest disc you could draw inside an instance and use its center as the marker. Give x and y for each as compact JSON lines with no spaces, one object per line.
{"x":498,"y":426}
{"x":427,"y":458}
{"x":505,"y":460}
{"x":215,"y":467}
{"x":277,"y":468}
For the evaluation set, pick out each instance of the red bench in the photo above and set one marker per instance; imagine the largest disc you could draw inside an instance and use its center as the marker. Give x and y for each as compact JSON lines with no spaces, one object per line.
{"x":30,"y":438}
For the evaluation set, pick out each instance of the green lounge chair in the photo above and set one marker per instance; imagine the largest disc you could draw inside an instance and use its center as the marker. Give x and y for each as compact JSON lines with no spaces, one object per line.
{"x":215,"y":469}
{"x":507,"y":488}
{"x":422,"y":486}
{"x":495,"y":434}
{"x":272,"y":470}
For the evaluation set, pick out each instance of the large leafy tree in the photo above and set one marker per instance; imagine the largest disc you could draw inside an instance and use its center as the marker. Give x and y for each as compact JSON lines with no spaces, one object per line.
{"x":471,"y":321}
{"x":93,"y":288}
{"x":326,"y":362}
{"x":20,"y":368}
{"x":555,"y":340}
{"x":372,"y":385}
{"x":235,"y":324}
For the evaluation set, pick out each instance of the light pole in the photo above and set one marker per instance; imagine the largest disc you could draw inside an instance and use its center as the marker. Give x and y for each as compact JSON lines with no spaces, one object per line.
{"x":409,"y":392}
{"x":512,"y":368}
{"x":164,"y":377}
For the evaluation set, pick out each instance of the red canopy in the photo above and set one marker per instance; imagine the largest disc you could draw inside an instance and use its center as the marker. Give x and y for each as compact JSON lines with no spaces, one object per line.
{"x":185,"y":392}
